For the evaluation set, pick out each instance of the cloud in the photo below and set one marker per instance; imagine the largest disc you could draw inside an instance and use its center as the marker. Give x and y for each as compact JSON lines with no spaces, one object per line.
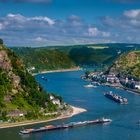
{"x":129,"y":19}
{"x":17,"y":29}
{"x":96,"y":32}
{"x":132,"y":13}
{"x":27,"y":1}
{"x":124,"y":28}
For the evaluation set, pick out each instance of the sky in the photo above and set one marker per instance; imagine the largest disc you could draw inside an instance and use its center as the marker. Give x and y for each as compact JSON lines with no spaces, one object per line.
{"x":67,"y":22}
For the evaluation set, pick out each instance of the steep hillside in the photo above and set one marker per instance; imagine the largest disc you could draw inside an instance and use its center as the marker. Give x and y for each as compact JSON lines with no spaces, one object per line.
{"x":44,"y":59}
{"x":127,"y":64}
{"x":19,"y":92}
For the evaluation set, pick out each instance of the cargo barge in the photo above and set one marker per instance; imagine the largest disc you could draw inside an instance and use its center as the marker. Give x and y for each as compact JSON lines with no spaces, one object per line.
{"x":64,"y":126}
{"x":116,"y":98}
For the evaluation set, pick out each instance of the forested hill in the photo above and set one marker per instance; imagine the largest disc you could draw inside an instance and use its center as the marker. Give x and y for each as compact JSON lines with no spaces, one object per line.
{"x":63,"y":57}
{"x":44,"y":58}
{"x":127,"y":65}
{"x":98,"y":54}
{"x":19,"y":92}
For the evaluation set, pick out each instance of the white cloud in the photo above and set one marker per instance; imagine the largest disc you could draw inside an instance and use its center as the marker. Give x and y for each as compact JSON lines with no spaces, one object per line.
{"x":93,"y":31}
{"x":17,"y":29}
{"x":26,"y":20}
{"x":132,"y":13}
{"x":125,"y":28}
{"x":1,"y":26}
{"x":45,"y":19}
{"x":40,"y":39}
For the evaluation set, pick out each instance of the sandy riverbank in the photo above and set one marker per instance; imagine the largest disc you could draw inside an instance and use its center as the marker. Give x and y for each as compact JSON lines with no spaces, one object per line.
{"x":75,"y":111}
{"x":61,"y":70}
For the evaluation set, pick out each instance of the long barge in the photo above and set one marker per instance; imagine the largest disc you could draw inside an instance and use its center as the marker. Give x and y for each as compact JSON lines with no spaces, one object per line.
{"x":64,"y":126}
{"x":116,"y":98}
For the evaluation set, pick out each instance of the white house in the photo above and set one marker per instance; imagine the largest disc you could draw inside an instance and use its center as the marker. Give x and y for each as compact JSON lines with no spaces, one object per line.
{"x":137,"y":86}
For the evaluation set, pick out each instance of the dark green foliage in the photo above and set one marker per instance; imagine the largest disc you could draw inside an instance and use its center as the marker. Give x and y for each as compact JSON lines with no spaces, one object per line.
{"x":5,"y":85}
{"x":60,"y":57}
{"x":29,"y":97}
{"x":1,"y":41}
{"x":91,"y":56}
{"x":44,"y":59}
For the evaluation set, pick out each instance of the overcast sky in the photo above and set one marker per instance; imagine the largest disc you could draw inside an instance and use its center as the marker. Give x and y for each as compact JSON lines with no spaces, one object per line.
{"x":64,"y":22}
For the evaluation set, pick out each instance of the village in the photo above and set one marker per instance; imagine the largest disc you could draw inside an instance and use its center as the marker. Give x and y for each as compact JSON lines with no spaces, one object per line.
{"x":111,"y":79}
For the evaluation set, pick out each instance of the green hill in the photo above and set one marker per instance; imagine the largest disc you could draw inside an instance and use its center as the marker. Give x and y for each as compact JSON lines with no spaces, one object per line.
{"x":127,"y":65}
{"x":44,"y":58}
{"x":98,"y":54}
{"x":19,"y":92}
{"x":63,"y":57}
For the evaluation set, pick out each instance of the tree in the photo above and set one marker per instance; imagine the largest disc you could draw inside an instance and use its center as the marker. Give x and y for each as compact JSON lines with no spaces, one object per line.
{"x":1,"y":41}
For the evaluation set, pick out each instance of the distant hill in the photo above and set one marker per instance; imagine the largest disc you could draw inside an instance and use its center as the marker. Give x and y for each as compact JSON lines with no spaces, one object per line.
{"x":19,"y":92}
{"x":44,"y":58}
{"x":127,"y":65}
{"x":61,"y":57}
{"x":98,"y":54}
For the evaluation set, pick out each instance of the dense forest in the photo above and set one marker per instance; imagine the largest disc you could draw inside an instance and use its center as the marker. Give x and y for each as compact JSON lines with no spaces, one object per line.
{"x":127,"y":65}
{"x":19,"y":92}
{"x":44,"y":58}
{"x":63,"y":57}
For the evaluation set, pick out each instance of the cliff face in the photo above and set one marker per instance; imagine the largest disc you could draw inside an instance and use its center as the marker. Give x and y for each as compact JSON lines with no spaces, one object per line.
{"x":19,"y":92}
{"x":127,"y":64}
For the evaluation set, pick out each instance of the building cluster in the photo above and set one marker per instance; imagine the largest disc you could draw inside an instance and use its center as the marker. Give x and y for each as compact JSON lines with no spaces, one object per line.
{"x":55,"y":101}
{"x":130,"y":83}
{"x":113,"y":79}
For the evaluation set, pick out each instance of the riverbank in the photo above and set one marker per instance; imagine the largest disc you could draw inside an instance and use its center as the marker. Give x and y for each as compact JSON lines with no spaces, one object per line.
{"x":75,"y":111}
{"x":60,"y":70}
{"x":123,"y":88}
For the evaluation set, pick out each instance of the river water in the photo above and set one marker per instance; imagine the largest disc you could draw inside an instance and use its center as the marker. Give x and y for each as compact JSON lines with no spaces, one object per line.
{"x":70,"y":87}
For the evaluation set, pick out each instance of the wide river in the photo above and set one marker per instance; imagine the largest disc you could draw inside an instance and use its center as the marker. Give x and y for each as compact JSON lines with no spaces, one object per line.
{"x":69,"y":85}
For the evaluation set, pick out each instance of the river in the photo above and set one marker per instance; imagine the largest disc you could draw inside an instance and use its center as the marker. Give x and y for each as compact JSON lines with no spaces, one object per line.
{"x":70,"y":87}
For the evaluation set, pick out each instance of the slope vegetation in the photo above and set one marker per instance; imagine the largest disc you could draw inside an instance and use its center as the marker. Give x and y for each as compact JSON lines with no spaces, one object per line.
{"x":19,"y":92}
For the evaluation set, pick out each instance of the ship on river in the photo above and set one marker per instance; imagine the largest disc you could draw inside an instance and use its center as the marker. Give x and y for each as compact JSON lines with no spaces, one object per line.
{"x":44,"y":78}
{"x":116,"y":98}
{"x":64,"y":126}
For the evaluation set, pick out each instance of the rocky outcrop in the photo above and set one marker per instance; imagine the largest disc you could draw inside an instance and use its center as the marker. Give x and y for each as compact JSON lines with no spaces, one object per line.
{"x":20,"y":94}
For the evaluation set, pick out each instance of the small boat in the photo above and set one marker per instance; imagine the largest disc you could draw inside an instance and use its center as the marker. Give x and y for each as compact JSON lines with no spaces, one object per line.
{"x":89,"y":86}
{"x":44,"y":78}
{"x":65,"y":126}
{"x":96,"y":83}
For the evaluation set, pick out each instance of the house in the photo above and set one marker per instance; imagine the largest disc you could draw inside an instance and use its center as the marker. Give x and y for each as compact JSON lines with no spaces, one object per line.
{"x":51,"y":97}
{"x":112,"y":78}
{"x":137,"y":86}
{"x":55,"y":101}
{"x":16,"y":113}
